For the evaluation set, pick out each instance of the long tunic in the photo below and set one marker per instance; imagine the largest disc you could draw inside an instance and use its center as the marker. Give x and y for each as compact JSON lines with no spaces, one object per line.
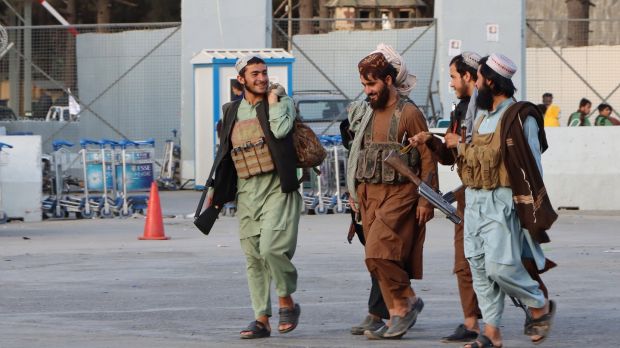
{"x":255,"y":195}
{"x":493,"y":205}
{"x":388,"y":211}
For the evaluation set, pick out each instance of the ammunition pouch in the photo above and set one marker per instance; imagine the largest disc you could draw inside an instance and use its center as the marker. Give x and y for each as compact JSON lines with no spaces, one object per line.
{"x":370,"y":167}
{"x":250,"y":153}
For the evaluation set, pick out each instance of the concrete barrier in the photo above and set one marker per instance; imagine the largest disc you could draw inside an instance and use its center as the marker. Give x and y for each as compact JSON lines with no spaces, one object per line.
{"x":581,"y":168}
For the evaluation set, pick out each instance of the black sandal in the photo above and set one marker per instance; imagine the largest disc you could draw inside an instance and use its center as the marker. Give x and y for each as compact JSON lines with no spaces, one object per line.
{"x":482,"y":342}
{"x":461,"y":334}
{"x":256,"y":329}
{"x":289,"y":316}
{"x":541,"y":326}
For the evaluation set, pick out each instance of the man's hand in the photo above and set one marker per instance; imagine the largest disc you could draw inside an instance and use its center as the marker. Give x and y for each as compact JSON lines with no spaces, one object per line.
{"x":272,"y":98}
{"x":420,"y":138}
{"x":209,"y":200}
{"x":276,"y":90}
{"x":452,"y":140}
{"x":424,"y":214}
{"x":352,"y":205}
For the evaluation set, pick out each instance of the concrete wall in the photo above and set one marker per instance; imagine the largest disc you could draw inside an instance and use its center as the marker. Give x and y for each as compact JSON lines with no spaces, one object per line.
{"x":215,"y":24}
{"x":467,"y":21}
{"x":581,"y":168}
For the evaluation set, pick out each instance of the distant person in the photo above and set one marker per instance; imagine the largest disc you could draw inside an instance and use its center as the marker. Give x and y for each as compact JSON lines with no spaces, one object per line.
{"x":552,"y":116}
{"x":236,"y":93}
{"x":604,"y":116}
{"x":580,"y":117}
{"x":236,"y":90}
{"x":550,"y":110}
{"x":547,"y":99}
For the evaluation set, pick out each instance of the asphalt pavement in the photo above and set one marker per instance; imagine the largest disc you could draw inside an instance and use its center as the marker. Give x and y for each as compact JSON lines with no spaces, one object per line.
{"x":92,"y":283}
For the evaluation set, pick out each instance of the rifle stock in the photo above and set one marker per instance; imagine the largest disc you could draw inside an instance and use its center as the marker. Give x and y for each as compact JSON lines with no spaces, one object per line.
{"x":424,"y":189}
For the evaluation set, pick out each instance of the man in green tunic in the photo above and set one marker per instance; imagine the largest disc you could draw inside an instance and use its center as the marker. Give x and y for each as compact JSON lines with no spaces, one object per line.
{"x":268,"y":203}
{"x":604,"y":116}
{"x":581,"y":117}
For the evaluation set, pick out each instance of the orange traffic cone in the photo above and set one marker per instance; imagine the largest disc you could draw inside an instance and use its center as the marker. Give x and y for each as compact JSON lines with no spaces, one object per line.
{"x":154,"y":226}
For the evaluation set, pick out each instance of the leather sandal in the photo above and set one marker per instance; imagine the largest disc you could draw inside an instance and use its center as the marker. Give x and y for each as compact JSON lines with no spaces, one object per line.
{"x":461,"y":334}
{"x":399,"y":325}
{"x":369,"y":323}
{"x":256,"y":329}
{"x":289,"y":316}
{"x":541,"y":326}
{"x":482,"y":342}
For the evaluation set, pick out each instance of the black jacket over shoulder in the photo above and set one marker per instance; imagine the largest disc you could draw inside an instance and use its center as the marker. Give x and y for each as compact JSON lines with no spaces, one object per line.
{"x":224,"y":182}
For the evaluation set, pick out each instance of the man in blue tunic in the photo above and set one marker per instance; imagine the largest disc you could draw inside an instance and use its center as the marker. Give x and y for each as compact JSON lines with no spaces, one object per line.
{"x":507,"y":209}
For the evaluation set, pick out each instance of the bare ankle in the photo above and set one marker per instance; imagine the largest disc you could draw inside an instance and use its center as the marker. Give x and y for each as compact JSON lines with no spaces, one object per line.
{"x":286,"y":302}
{"x":471,"y":323}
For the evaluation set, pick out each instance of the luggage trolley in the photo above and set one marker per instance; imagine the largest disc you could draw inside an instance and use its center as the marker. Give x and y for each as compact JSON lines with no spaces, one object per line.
{"x":97,"y":178}
{"x":57,"y":205}
{"x":115,"y":200}
{"x":170,"y":163}
{"x":136,"y":172}
{"x":4,"y":160}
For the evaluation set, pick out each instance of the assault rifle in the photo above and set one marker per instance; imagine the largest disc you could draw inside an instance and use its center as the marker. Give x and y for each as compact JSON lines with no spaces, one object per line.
{"x":434,"y":197}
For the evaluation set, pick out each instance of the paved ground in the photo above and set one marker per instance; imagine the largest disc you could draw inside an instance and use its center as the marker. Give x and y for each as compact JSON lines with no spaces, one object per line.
{"x":91,"y":283}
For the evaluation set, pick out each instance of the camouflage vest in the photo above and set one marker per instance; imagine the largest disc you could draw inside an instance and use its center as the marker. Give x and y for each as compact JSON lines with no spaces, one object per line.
{"x":250,"y":152}
{"x":370,"y":166}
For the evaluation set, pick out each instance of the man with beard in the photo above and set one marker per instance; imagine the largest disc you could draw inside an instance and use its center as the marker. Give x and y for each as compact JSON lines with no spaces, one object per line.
{"x":392,"y":212}
{"x":508,"y":211}
{"x":264,"y":181}
{"x":463,"y":74}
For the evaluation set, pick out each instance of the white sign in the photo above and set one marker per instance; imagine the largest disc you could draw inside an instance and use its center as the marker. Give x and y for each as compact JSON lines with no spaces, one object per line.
{"x":493,"y":32}
{"x":454,"y":47}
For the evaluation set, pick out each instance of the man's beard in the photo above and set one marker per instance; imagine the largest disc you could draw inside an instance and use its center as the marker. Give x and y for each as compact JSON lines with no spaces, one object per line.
{"x":484,"y":100}
{"x":382,"y":100}
{"x":253,"y":90}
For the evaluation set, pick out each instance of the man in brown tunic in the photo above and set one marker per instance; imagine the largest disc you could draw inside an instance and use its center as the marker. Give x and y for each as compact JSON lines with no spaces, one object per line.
{"x":393,"y":215}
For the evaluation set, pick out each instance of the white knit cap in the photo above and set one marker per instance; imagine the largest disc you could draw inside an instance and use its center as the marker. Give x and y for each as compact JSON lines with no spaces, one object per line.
{"x":472,"y":59}
{"x":502,"y":65}
{"x":243,"y":61}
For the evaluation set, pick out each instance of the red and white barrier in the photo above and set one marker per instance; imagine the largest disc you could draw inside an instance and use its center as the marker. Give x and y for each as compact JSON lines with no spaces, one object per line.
{"x":58,"y":17}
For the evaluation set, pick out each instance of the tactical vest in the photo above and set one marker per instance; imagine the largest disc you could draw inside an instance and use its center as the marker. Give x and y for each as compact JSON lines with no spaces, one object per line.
{"x":370,"y":166}
{"x":481,"y":165}
{"x":250,"y":152}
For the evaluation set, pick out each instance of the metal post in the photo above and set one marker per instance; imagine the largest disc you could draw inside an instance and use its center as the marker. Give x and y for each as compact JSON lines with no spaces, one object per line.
{"x":28,"y":54}
{"x":290,"y":25}
{"x":14,"y":69}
